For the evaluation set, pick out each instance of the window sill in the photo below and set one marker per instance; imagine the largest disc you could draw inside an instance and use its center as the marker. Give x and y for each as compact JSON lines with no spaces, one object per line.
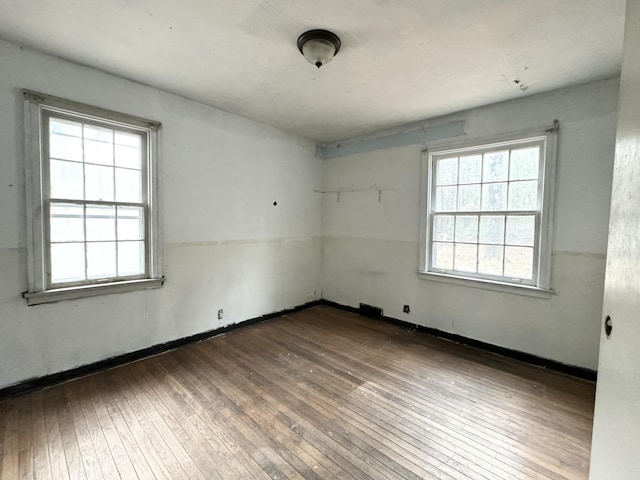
{"x":72,"y":293}
{"x":526,"y":290}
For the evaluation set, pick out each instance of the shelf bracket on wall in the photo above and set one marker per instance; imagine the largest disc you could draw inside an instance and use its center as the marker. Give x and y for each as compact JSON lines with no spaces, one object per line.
{"x":339,"y":191}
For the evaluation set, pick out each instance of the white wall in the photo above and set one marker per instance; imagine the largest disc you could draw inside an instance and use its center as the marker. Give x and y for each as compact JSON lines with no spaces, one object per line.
{"x":616,"y":433}
{"x":225,"y":244}
{"x":370,"y":248}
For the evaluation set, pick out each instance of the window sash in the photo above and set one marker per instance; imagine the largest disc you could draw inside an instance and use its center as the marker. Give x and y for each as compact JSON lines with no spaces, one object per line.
{"x":107,"y":279}
{"x":498,"y":278}
{"x":47,"y":199}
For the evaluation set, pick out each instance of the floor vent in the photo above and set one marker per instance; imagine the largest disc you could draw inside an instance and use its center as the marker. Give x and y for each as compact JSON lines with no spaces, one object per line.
{"x":370,"y":311}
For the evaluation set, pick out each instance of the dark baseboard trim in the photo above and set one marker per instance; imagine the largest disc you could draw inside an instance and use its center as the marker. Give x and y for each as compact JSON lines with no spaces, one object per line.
{"x":39,"y":383}
{"x":574,"y":371}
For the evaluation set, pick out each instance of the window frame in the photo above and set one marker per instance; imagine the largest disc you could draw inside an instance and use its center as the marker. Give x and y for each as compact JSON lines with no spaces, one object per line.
{"x":540,"y":286}
{"x":38,"y":109}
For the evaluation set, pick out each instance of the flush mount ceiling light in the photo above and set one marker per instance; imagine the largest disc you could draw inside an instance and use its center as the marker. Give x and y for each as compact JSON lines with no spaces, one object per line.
{"x":319,"y":46}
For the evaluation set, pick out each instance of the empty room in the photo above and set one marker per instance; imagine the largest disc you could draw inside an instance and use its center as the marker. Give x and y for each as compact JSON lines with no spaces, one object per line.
{"x":287,"y":239}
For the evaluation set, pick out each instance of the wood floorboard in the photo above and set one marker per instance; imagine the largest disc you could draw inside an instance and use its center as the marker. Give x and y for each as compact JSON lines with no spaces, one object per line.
{"x":394,"y":461}
{"x":41,"y":462}
{"x":384,"y":424}
{"x":372,"y":392}
{"x":242,"y":429}
{"x":10,"y":455}
{"x":360,"y":391}
{"x":461,"y":405}
{"x":167,"y":441}
{"x":174,"y":429}
{"x":317,"y":394}
{"x":4,"y":408}
{"x":55,"y":447}
{"x":529,"y":410}
{"x":261,"y":413}
{"x":448,"y":369}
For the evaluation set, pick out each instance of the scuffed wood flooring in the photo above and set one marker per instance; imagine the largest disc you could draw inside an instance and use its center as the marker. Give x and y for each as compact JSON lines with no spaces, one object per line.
{"x":319,"y":394}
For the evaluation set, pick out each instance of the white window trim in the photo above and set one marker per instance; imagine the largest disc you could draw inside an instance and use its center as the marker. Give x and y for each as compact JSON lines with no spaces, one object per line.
{"x":543,"y":287}
{"x":34,"y":104}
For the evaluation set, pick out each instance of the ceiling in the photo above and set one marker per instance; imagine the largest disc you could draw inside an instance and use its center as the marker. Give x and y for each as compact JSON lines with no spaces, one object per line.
{"x":401,"y":60}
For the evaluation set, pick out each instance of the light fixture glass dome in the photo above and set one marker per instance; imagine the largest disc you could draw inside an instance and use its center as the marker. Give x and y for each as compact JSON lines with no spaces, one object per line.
{"x":318,"y":52}
{"x":318,"y":46}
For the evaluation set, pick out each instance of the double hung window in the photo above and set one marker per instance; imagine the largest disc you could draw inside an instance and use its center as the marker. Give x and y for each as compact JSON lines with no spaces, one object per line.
{"x":91,"y":178}
{"x":488,"y":211}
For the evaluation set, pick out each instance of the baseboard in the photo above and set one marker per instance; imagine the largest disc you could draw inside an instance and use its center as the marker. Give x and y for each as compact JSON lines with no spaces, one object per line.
{"x":39,"y":383}
{"x":574,"y":371}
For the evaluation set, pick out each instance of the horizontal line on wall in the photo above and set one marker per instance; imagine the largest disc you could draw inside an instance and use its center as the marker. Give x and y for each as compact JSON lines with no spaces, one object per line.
{"x":599,"y":256}
{"x":595,"y":255}
{"x":251,"y":241}
{"x":386,"y":240}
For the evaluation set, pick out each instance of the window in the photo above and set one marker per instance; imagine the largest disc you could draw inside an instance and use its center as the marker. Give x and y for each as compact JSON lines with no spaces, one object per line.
{"x":91,"y":193}
{"x":488,"y":212}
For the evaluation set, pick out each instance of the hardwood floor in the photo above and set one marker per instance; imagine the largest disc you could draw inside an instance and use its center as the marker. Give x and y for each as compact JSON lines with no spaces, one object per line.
{"x":319,"y":394}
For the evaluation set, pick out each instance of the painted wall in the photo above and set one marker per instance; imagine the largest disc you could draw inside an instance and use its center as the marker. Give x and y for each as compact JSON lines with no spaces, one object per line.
{"x":616,"y":437}
{"x":226,"y":246}
{"x":370,"y":245}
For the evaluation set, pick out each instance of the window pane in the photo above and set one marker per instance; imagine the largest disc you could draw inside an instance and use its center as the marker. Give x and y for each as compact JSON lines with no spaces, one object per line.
{"x":471,"y":169}
{"x":494,"y":196}
{"x":128,"y":185}
{"x":101,"y":260}
{"x":99,"y":183}
{"x":492,"y":229}
{"x":101,"y":223}
{"x":524,"y":163}
{"x":518,"y":262}
{"x":65,"y":139}
{"x":66,"y":180}
{"x":98,"y":134}
{"x":466,"y":228}
{"x":447,"y":171}
{"x":131,"y":258}
{"x":469,"y":197}
{"x":98,"y":152}
{"x":130,"y":223}
{"x":128,"y":150}
{"x":65,"y":127}
{"x":521,"y":230}
{"x":66,"y":223}
{"x":98,"y":145}
{"x":490,"y":259}
{"x":465,"y":258}
{"x":67,"y":262}
{"x":523,"y":195}
{"x":442,"y":256}
{"x":496,"y":166}
{"x":446,"y":199}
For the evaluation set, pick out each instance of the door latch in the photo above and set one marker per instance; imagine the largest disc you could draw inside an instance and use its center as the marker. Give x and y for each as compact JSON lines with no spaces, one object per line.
{"x":608,"y":326}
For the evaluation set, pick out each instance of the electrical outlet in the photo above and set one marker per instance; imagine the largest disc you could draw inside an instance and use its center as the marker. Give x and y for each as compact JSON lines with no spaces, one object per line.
{"x":406,"y":309}
{"x":220,"y":314}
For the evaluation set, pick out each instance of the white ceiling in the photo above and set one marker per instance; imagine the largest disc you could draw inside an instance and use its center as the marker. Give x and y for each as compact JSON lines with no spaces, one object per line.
{"x":401,"y":60}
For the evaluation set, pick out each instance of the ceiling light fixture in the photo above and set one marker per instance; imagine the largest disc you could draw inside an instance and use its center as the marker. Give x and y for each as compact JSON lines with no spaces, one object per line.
{"x":318,"y":46}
